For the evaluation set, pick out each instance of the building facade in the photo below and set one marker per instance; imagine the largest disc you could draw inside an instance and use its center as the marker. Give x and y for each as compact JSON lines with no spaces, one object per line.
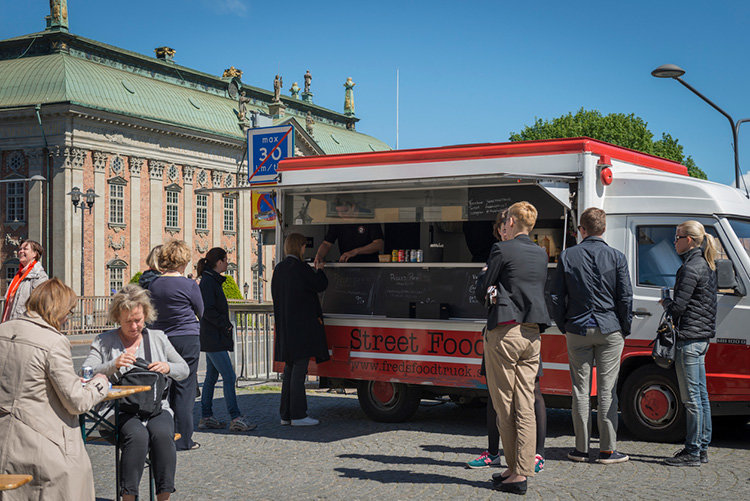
{"x":146,"y":135}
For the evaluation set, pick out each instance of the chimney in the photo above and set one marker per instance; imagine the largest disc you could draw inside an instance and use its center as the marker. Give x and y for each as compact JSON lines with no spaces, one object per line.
{"x":165,"y":53}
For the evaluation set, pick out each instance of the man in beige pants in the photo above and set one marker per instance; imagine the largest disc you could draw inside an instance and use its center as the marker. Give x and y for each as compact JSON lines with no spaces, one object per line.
{"x":512,"y":284}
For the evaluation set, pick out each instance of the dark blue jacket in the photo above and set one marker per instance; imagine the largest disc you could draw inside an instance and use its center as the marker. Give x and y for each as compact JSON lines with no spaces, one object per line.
{"x":216,"y":328}
{"x":694,"y":305}
{"x":592,"y":280}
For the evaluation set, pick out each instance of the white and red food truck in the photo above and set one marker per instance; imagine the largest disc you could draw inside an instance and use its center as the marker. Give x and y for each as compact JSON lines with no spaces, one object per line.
{"x":403,"y":331}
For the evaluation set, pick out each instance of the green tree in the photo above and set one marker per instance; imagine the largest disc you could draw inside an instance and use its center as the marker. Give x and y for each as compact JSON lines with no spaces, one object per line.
{"x":231,"y":290}
{"x":136,"y":277}
{"x":628,"y":131}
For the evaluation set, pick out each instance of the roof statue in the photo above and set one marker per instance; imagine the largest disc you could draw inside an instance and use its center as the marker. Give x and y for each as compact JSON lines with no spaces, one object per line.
{"x":58,"y":14}
{"x":242,"y":101}
{"x":309,"y":122}
{"x":294,"y":90}
{"x":308,"y":79}
{"x":278,"y":82}
{"x":349,"y":96}
{"x":232,"y":72}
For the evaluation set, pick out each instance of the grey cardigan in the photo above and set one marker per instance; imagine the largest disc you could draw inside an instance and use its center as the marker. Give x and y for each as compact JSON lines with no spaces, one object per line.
{"x":107,"y":346}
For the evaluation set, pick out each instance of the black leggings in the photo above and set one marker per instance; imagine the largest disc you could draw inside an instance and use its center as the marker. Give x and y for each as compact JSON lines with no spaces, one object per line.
{"x":135,"y":441}
{"x":540,"y":410}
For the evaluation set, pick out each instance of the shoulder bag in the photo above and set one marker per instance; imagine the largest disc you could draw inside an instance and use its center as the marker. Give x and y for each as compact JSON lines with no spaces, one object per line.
{"x":664,"y":348}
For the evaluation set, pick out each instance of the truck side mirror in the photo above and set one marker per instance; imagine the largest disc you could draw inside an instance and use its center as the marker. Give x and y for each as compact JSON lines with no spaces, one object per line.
{"x":726,"y":277}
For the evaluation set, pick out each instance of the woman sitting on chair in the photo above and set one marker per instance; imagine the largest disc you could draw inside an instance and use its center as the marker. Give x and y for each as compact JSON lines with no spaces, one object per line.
{"x":115,"y":352}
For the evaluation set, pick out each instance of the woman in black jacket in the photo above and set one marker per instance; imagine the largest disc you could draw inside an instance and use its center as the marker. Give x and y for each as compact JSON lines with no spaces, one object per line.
{"x":217,"y":342}
{"x":693,"y":310}
{"x":299,"y":326}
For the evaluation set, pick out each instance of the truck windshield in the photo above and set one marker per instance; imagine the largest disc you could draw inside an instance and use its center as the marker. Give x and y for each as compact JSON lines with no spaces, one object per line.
{"x":742,"y":230}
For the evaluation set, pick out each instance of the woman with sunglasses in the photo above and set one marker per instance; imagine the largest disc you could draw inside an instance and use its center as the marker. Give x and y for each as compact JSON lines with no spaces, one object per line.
{"x":693,"y":309}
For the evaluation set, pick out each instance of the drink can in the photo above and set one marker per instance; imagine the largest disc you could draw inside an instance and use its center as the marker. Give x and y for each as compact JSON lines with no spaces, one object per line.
{"x":394,"y":256}
{"x":87,"y":372}
{"x":401,"y":255}
{"x":420,"y":256}
{"x":413,"y":255}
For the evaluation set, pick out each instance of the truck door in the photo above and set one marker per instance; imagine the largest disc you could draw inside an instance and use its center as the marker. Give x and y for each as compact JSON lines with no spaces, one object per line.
{"x":649,"y":395}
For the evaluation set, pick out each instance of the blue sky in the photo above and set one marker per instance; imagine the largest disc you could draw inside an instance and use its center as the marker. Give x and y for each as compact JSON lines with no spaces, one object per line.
{"x":470,"y":72}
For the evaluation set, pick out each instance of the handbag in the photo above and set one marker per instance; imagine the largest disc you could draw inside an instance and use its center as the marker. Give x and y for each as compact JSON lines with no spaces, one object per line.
{"x":665,"y":342}
{"x":146,"y":404}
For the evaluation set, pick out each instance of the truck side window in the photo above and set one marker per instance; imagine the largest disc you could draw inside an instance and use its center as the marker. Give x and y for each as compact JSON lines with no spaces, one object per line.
{"x":657,"y":261}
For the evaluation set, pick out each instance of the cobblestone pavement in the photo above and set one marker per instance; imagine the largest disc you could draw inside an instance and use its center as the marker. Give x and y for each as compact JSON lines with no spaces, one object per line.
{"x":350,"y":457}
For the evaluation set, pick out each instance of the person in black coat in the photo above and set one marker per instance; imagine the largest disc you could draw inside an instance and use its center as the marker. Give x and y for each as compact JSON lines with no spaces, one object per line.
{"x":693,"y":310}
{"x":513,"y":283}
{"x":300,"y":333}
{"x":217,"y":341}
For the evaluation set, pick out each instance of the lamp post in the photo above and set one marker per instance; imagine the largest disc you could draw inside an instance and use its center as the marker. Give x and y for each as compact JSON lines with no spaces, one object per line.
{"x":76,"y":196}
{"x":675,"y":72}
{"x":245,"y":289}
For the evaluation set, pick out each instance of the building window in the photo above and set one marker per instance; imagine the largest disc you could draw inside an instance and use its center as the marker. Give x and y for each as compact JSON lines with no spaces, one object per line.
{"x":115,"y":280}
{"x":10,"y":271}
{"x":173,"y":209}
{"x":201,"y":212}
{"x":15,"y":203}
{"x":228,"y":214}
{"x":116,"y":204}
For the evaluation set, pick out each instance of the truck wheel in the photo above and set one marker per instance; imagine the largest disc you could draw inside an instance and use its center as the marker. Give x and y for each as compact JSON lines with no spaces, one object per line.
{"x":388,"y":402}
{"x":651,"y":405}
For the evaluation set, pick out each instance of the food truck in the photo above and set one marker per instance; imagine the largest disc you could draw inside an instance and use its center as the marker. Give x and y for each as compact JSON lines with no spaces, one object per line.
{"x":409,"y":327}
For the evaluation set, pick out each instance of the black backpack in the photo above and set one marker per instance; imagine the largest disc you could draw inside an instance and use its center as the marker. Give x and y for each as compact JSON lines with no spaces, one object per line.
{"x":146,"y":404}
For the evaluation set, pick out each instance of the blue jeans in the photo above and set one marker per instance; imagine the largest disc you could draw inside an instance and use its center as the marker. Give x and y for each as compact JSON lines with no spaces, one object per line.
{"x":690,"y":365}
{"x":218,"y":362}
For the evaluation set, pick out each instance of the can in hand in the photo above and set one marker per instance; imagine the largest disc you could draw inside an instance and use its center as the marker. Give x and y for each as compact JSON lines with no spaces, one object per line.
{"x":87,"y":372}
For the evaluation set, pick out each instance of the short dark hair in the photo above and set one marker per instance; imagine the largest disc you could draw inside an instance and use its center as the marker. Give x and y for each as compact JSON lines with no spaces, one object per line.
{"x":594,"y":221}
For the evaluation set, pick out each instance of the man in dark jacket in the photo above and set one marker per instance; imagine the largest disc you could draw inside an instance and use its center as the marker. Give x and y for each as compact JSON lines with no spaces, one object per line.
{"x":513,"y":281}
{"x":592,"y":305}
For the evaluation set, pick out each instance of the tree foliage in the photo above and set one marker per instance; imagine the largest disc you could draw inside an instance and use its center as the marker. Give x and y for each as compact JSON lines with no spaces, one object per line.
{"x":231,"y":290}
{"x":624,"y":130}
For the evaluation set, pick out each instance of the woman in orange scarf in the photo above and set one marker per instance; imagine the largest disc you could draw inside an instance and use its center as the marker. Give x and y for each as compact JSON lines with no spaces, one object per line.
{"x":30,"y":275}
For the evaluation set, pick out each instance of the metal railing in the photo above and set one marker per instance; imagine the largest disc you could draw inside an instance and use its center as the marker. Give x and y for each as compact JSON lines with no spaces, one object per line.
{"x":253,"y":342}
{"x":89,"y":316}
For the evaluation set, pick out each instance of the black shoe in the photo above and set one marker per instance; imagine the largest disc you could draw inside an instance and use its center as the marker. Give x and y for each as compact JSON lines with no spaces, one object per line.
{"x":578,"y":456}
{"x":704,"y":457}
{"x":512,"y":487}
{"x":497,"y":478}
{"x":684,"y":458}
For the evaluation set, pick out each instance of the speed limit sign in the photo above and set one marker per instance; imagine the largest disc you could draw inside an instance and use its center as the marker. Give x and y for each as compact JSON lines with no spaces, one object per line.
{"x":268,"y":145}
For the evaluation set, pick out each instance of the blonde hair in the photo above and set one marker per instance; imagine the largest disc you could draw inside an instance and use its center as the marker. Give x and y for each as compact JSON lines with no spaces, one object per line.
{"x":152,"y":261}
{"x":129,"y":298}
{"x":52,"y":300}
{"x":594,"y":221}
{"x":293,"y":244}
{"x":173,"y":255}
{"x":697,"y":232}
{"x":524,"y":214}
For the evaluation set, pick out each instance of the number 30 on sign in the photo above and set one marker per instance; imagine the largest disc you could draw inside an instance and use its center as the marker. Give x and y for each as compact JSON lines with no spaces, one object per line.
{"x":268,"y":146}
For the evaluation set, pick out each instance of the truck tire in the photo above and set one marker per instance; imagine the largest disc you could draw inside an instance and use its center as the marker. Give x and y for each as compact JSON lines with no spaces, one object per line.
{"x":651,"y":406}
{"x":388,"y":402}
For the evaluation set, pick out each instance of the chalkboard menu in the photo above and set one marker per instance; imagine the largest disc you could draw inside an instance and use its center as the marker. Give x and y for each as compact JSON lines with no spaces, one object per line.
{"x":485,"y":203}
{"x":374,"y":290}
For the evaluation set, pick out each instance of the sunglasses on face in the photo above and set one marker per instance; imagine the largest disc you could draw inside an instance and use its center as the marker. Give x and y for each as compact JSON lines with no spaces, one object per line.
{"x":677,"y":238}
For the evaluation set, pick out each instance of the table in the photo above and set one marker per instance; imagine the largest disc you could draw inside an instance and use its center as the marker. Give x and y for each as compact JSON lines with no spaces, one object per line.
{"x":10,"y":482}
{"x":99,"y":418}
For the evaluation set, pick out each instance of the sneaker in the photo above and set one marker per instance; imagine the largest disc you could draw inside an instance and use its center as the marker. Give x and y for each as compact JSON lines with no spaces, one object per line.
{"x":211,"y":423}
{"x":538,"y":463}
{"x":485,"y":460}
{"x":308,"y":421}
{"x":578,"y":456}
{"x":704,"y":457}
{"x":241,"y":423}
{"x":286,"y":422}
{"x":684,"y":458}
{"x":607,"y":457}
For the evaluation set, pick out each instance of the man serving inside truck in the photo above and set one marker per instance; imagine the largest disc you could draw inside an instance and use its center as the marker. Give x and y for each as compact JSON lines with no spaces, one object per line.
{"x":358,"y":242}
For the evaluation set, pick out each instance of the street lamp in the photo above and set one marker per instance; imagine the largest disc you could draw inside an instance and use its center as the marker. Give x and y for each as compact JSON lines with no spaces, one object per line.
{"x":78,"y":197}
{"x":675,"y":72}
{"x":246,"y":289}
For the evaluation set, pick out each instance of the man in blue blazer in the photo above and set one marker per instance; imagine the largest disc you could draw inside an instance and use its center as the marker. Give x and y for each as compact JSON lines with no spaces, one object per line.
{"x":513,"y":285}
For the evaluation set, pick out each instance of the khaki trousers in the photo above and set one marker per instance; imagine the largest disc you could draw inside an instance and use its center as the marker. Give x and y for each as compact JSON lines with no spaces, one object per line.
{"x":511,"y":355}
